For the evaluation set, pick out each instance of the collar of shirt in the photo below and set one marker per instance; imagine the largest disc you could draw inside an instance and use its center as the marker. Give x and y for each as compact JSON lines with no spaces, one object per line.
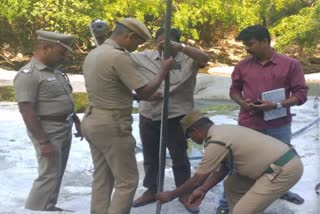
{"x":208,"y":138}
{"x":177,"y":58}
{"x":39,"y":65}
{"x":274,"y":59}
{"x":114,"y":44}
{"x":206,"y":141}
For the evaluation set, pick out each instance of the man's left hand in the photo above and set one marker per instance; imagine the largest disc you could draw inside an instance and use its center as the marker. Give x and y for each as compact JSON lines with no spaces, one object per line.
{"x":263,"y":105}
{"x":165,"y":197}
{"x":175,"y":46}
{"x":77,"y":124}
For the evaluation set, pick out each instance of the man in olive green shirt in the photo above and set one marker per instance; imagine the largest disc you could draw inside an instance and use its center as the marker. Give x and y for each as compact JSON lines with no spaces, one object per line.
{"x":188,"y":61}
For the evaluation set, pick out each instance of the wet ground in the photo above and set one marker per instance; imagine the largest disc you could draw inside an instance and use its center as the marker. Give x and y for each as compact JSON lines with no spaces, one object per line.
{"x":18,"y":169}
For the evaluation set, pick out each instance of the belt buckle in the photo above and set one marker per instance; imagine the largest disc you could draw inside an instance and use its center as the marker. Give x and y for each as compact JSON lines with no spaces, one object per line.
{"x":274,"y":171}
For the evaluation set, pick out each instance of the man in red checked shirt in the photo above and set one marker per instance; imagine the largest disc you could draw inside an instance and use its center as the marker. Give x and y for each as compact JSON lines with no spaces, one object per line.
{"x":263,"y":71}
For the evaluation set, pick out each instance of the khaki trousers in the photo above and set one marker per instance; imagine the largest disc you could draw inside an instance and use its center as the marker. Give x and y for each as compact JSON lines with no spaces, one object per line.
{"x":248,"y":196}
{"x":113,"y":153}
{"x":45,"y":189}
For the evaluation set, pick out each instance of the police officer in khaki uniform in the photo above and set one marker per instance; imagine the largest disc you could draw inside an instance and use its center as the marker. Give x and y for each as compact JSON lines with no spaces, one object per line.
{"x":261,"y":168}
{"x":188,"y":61}
{"x":110,"y":76}
{"x":46,"y":104}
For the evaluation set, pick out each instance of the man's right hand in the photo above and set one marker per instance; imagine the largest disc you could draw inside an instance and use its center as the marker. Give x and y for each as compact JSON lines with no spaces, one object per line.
{"x":146,"y":91}
{"x":33,"y":124}
{"x":248,"y":105}
{"x":166,"y":65}
{"x":47,"y":150}
{"x":245,"y":104}
{"x":156,"y":96}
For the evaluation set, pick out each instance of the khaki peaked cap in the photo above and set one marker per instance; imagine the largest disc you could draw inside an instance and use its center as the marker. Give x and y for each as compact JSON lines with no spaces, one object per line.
{"x":191,"y":118}
{"x":137,"y":27}
{"x":58,"y":38}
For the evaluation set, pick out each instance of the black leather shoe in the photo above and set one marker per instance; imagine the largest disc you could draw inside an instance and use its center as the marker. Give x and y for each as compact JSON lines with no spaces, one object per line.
{"x":317,"y":189}
{"x":292,"y":197}
{"x":58,"y":209}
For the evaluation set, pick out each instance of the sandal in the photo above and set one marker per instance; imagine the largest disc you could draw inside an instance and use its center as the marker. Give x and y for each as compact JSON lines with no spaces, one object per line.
{"x":292,"y":197}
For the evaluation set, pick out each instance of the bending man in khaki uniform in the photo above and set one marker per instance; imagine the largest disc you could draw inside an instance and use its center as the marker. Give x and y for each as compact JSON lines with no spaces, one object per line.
{"x":261,"y":168}
{"x":188,"y":61}
{"x":110,"y":76}
{"x":45,"y":101}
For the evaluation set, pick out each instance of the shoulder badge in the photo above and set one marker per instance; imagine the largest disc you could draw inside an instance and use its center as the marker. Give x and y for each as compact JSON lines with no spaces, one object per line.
{"x":122,"y":49}
{"x":27,"y":69}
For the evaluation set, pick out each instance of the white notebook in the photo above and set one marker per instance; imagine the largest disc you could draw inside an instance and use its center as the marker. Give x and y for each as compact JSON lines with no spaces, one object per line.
{"x":275,"y":96}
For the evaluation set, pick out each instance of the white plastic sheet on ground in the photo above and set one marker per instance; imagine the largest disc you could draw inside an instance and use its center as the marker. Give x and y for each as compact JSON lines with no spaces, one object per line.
{"x":18,"y":169}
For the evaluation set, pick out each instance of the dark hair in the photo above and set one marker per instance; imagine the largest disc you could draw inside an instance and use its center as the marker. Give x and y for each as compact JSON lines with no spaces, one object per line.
{"x":175,"y":33}
{"x":257,"y":32}
{"x":200,"y":123}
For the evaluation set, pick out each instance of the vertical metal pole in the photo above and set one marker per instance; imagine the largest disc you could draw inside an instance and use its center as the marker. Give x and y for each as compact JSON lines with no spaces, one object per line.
{"x":164,"y":116}
{"x":316,"y":105}
{"x":93,"y":35}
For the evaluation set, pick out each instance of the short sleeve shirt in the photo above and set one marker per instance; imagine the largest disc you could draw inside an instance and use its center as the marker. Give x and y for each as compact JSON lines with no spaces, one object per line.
{"x":252,"y":152}
{"x":45,"y":87}
{"x":182,"y":84}
{"x":110,"y":76}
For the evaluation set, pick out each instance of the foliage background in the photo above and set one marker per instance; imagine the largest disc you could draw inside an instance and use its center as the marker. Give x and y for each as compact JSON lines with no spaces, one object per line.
{"x":294,"y":23}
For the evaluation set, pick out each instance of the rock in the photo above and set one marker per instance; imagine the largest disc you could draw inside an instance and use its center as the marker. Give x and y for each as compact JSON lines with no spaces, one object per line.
{"x":210,"y":87}
{"x":19,"y":55}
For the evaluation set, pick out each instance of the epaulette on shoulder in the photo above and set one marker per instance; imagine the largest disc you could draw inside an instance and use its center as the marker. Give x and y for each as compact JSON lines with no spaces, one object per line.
{"x":122,"y":49}
{"x":28,"y":68}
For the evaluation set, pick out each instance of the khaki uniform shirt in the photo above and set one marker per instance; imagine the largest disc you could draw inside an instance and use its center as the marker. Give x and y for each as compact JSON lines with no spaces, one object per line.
{"x":252,"y":151}
{"x":182,"y":84}
{"x":110,"y":76}
{"x":46,"y":87}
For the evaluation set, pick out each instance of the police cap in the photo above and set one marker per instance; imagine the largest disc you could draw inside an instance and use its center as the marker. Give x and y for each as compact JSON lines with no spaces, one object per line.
{"x":187,"y":121}
{"x":58,"y":38}
{"x":137,"y":27}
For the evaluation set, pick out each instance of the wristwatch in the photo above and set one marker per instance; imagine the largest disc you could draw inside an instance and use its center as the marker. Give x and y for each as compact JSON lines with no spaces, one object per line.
{"x":278,"y":106}
{"x":183,"y":46}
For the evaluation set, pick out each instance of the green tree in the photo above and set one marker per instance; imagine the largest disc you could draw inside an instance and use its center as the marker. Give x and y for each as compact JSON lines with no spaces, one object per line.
{"x":293,"y":22}
{"x":301,"y":29}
